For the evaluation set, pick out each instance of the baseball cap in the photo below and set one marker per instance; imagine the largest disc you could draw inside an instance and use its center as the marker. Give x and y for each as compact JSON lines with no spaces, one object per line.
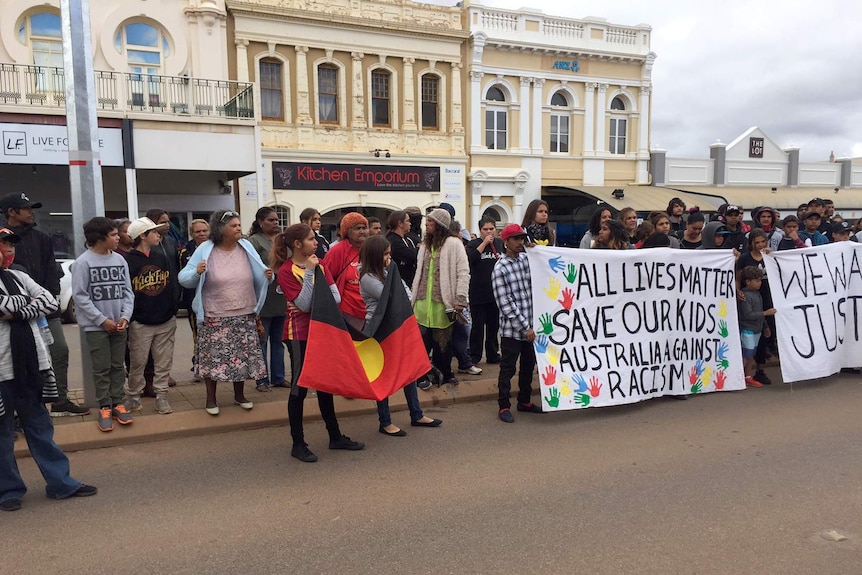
{"x":840,"y":228}
{"x":512,"y":231}
{"x":7,"y":235}
{"x":811,"y":215}
{"x":17,"y":201}
{"x":722,"y":231}
{"x":449,"y":208}
{"x":732,"y":208}
{"x":143,"y":225}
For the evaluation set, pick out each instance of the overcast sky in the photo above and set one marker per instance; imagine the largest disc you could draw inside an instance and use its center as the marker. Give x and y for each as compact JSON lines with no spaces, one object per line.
{"x":792,"y":67}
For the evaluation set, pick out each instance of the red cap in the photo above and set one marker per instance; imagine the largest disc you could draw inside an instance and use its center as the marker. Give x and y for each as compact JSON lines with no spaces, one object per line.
{"x":511,"y":231}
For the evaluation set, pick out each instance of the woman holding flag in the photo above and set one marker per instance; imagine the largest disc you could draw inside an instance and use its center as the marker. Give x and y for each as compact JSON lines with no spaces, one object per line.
{"x":296,"y":280}
{"x":375,"y":257}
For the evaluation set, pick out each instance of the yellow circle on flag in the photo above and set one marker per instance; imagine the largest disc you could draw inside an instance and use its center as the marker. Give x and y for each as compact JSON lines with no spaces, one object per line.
{"x":371,"y":356}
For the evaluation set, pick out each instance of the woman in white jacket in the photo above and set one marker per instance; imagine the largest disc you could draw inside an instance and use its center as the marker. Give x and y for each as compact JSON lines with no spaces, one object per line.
{"x":440,"y":288}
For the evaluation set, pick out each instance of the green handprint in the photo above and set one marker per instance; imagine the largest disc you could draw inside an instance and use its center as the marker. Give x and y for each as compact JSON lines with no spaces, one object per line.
{"x":553,"y":399}
{"x":571,"y":273}
{"x":553,"y":355}
{"x":547,"y":327}
{"x":722,"y":328}
{"x":724,"y":364}
{"x":696,"y":387}
{"x":582,"y":399}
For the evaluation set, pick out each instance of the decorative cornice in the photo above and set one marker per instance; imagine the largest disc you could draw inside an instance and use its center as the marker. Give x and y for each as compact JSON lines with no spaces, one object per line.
{"x":476,"y":76}
{"x":525,"y":81}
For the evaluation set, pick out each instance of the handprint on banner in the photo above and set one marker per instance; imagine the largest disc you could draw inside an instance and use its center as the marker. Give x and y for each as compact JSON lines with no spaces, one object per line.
{"x":554,"y":398}
{"x":720,"y":380}
{"x":693,"y":376}
{"x":699,"y":365}
{"x":582,"y":399}
{"x":556,"y":264}
{"x":565,"y":390}
{"x":595,"y":387}
{"x":550,"y":376}
{"x":696,"y":387}
{"x":722,"y":308}
{"x":571,"y":273}
{"x":707,"y":375}
{"x":553,"y":289}
{"x":580,"y":382}
{"x":568,"y":299}
{"x":541,"y":344}
{"x":721,"y":354}
{"x":722,"y":329}
{"x":547,"y":326}
{"x":553,"y":355}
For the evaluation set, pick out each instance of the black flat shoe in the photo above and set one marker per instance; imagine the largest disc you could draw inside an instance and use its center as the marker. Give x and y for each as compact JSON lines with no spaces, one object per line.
{"x":399,"y":433}
{"x":432,"y":423}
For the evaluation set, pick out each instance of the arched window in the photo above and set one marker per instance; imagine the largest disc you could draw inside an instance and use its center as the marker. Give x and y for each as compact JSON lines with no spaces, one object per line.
{"x":145,"y":48}
{"x":327,"y":94}
{"x":496,"y":119}
{"x":559,"y":124}
{"x":430,"y":102}
{"x":271,"y":90}
{"x":283,"y":216}
{"x":381,"y":96}
{"x":492,"y":213}
{"x":42,"y":33}
{"x":618,"y":127}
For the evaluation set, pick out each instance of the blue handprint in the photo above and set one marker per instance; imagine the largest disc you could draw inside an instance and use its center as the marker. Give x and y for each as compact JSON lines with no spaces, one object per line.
{"x":580,"y":383}
{"x":556,"y":264}
{"x":722,"y":351}
{"x":541,"y":344}
{"x":699,"y":366}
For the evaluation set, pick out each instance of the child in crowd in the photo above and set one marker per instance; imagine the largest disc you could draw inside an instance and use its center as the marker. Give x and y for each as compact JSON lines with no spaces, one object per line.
{"x":104,"y":301}
{"x":752,"y":320}
{"x":791,"y":239}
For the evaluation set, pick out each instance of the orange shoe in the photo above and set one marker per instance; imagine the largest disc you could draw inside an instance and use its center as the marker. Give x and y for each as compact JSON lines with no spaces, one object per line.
{"x":751,"y":382}
{"x":121,"y":414}
{"x":105,"y":423}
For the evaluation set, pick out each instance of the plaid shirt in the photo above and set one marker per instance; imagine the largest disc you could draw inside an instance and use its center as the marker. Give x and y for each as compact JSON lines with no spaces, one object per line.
{"x":513,"y":292}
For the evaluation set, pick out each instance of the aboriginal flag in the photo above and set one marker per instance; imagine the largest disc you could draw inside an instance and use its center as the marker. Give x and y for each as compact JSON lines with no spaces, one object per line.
{"x":372,"y":364}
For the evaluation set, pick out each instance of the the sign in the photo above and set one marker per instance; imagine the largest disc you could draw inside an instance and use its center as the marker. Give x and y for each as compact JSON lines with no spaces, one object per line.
{"x":249,"y":187}
{"x":453,"y":183}
{"x":369,"y":178}
{"x":48,"y":144}
{"x":755,"y":147}
{"x":567,"y":65}
{"x":618,"y":327}
{"x":817,"y":294}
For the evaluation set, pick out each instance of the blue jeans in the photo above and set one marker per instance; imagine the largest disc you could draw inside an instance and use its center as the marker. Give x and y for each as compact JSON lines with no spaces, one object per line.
{"x":461,"y":344}
{"x":273,"y":329}
{"x":412,"y":395}
{"x":39,"y":432}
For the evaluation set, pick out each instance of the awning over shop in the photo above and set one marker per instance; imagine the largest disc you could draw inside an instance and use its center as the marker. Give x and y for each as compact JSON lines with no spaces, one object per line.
{"x":783,"y":199}
{"x":641,"y":198}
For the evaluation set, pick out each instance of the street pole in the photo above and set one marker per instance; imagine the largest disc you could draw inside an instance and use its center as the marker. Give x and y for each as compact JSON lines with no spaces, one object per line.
{"x":85,"y":169}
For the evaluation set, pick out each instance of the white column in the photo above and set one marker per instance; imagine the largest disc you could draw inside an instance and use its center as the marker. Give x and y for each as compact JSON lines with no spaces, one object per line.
{"x":242,"y":60}
{"x":303,"y":103}
{"x":538,"y":83}
{"x":132,"y":193}
{"x":477,"y":141}
{"x":358,"y":107}
{"x":601,"y":106}
{"x":457,"y":116}
{"x":524,"y":113}
{"x":643,"y":124}
{"x":409,"y":96}
{"x":589,"y":117}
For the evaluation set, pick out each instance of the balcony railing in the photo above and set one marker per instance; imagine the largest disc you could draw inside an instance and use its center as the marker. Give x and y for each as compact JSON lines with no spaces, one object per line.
{"x":44,"y":87}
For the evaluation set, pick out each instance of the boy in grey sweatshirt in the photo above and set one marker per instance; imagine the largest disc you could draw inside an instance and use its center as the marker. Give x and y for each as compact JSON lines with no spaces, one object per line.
{"x":752,"y":319}
{"x":104,"y":301}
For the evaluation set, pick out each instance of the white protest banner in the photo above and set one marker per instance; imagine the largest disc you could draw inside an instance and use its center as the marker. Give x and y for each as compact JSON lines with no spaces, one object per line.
{"x":816,"y":293}
{"x":618,"y":327}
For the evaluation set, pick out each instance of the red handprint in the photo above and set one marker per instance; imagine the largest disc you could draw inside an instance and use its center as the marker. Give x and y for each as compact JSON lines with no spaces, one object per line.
{"x":595,"y":388}
{"x":720,"y":379}
{"x":693,"y":376}
{"x":568,"y":299}
{"x":550,"y":376}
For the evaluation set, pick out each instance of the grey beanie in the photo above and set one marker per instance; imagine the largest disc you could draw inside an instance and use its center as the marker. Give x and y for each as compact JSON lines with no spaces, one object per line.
{"x":441,"y":216}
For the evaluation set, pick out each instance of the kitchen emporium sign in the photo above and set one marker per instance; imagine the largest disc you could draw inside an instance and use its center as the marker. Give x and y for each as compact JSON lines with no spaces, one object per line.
{"x":312,"y":176}
{"x":49,"y":144}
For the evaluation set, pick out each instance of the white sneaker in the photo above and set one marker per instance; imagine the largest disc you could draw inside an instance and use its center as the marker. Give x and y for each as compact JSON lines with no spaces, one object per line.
{"x":473,"y":370}
{"x":162,"y":405}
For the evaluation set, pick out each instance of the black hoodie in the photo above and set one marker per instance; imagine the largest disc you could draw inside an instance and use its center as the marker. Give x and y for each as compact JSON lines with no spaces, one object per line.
{"x":35,"y":253}
{"x":155,"y":286}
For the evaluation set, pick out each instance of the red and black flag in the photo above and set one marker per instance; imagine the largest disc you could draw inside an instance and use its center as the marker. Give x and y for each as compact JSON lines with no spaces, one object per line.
{"x":372,"y":364}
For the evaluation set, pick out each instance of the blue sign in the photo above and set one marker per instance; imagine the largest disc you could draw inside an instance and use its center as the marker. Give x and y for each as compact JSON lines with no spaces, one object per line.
{"x":572,"y":66}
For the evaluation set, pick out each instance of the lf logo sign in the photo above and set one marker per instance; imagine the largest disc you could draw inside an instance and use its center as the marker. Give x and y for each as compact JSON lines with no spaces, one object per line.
{"x":14,"y":143}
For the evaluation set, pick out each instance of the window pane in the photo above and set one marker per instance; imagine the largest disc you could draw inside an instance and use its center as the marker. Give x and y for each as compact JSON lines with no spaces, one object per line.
{"x":142,"y":35}
{"x":380,"y":81}
{"x":559,"y":100}
{"x":141,"y":57}
{"x":380,"y":85}
{"x":501,"y":120}
{"x":613,"y":128}
{"x":564,"y":143}
{"x":564,"y":124}
{"x":45,"y":24}
{"x":429,"y":115}
{"x":327,"y":99}
{"x":379,"y":112}
{"x":328,"y":109}
{"x":501,"y":139}
{"x":271,"y":98}
{"x":430,"y":95}
{"x":495,"y":94}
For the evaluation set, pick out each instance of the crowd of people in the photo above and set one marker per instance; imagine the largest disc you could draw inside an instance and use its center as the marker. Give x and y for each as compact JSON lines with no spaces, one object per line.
{"x":249,"y":297}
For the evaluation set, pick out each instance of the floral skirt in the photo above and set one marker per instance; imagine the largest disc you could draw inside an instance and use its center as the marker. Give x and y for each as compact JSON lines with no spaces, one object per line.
{"x":228,"y":349}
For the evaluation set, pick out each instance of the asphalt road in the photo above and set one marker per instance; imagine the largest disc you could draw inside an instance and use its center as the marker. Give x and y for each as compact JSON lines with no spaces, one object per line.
{"x":735,"y":483}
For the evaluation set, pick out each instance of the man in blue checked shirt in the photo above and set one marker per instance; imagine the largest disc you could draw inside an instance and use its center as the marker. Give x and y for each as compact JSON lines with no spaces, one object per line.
{"x":513,"y":292}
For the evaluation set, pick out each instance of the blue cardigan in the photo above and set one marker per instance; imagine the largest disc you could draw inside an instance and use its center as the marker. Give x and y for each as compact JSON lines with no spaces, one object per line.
{"x":189,"y":277}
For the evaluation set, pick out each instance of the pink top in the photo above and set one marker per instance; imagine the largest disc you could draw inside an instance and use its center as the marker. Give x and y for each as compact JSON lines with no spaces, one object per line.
{"x":229,"y":287}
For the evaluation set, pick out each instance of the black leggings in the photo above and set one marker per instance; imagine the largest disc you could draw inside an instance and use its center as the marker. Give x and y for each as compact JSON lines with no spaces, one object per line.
{"x":295,"y":402}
